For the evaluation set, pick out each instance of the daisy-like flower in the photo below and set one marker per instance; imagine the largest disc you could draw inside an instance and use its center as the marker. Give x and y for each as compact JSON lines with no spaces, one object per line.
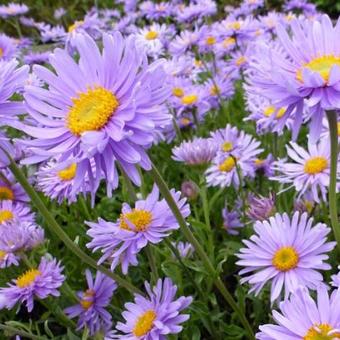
{"x":8,"y":259}
{"x":195,"y":152}
{"x":231,"y":221}
{"x":234,"y":149}
{"x":286,"y":252}
{"x":104,"y":109}
{"x":38,"y":282}
{"x":303,"y":318}
{"x":8,"y":47}
{"x":15,"y":211}
{"x":58,"y":183}
{"x":185,"y":249}
{"x":12,"y":9}
{"x":10,"y":190}
{"x":309,"y":69}
{"x":150,"y":220}
{"x":156,"y":316}
{"x":91,"y":308}
{"x":309,"y":171}
{"x":260,"y":208}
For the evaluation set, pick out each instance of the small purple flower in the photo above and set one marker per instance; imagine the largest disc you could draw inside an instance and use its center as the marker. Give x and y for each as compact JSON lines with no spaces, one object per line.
{"x":36,"y":282}
{"x":261,"y":208}
{"x":303,"y":318}
{"x":15,"y":212}
{"x":150,"y":220}
{"x":91,"y":308}
{"x":231,"y":221}
{"x":156,"y":316}
{"x":12,"y":9}
{"x":195,"y":152}
{"x":10,"y":189}
{"x":185,"y":249}
{"x":287,"y":252}
{"x":8,"y":47}
{"x":190,"y":190}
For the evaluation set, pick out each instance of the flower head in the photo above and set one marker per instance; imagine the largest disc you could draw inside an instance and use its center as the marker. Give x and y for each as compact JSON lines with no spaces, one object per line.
{"x":37,"y":282}
{"x":91,"y":308}
{"x":303,"y":318}
{"x":12,"y":9}
{"x":287,"y":252}
{"x":260,"y":208}
{"x":155,"y":316}
{"x":150,"y":220}
{"x":231,"y":221}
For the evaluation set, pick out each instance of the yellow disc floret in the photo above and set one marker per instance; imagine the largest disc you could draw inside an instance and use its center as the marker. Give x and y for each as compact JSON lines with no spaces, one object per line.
{"x":140,"y":218}
{"x":68,"y":173}
{"x":5,"y":215}
{"x":6,"y":194}
{"x":315,"y":165}
{"x":189,"y":99}
{"x":321,"y":65}
{"x":87,"y":301}
{"x":178,"y":92}
{"x":75,"y":26}
{"x":269,"y":110}
{"x":227,"y":146}
{"x":210,"y":40}
{"x":27,"y":278}
{"x":151,"y":35}
{"x":144,"y":323}
{"x":91,"y":110}
{"x":321,"y":332}
{"x":228,"y":164}
{"x":285,"y":259}
{"x":2,"y":254}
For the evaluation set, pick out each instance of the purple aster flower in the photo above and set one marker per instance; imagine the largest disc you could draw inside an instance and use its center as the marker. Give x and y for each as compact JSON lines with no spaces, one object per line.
{"x":310,"y":170}
{"x":8,"y":259}
{"x":12,"y":9}
{"x":303,"y":318}
{"x":91,"y":308}
{"x":195,"y":152}
{"x":231,"y":221}
{"x":156,"y":316}
{"x":52,"y":33}
{"x":308,"y":70}
{"x":12,"y":80}
{"x":263,"y":166}
{"x":36,"y":57}
{"x":15,"y":211}
{"x":8,"y":47}
{"x":102,"y":116}
{"x":287,"y":252}
{"x":10,"y":189}
{"x":336,"y":279}
{"x":150,"y":220}
{"x":155,"y":10}
{"x":185,"y":249}
{"x":36,"y":282}
{"x":261,"y":208}
{"x":300,"y":6}
{"x":59,"y":12}
{"x":58,"y":183}
{"x":183,"y":42}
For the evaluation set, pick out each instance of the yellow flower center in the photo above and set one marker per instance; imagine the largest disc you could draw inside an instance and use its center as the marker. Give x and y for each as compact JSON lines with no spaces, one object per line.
{"x":141,"y":219}
{"x":75,"y":26}
{"x":321,"y":332}
{"x":228,"y":165}
{"x":151,"y":35}
{"x":27,"y":278}
{"x":2,"y":254}
{"x":215,"y":90}
{"x":259,"y":161}
{"x":228,"y":42}
{"x":198,"y":63}
{"x":241,"y":60}
{"x":68,"y":173}
{"x":87,"y":301}
{"x":185,"y":121}
{"x":5,"y":215}
{"x":227,"y":146}
{"x":315,"y":165}
{"x":1,"y":52}
{"x":338,"y":128}
{"x":91,"y":110}
{"x":271,"y":109}
{"x":210,"y":40}
{"x":6,"y":194}
{"x":178,"y":92}
{"x":285,"y":259}
{"x":144,"y":323}
{"x":321,"y":65}
{"x":189,"y":99}
{"x":236,"y":25}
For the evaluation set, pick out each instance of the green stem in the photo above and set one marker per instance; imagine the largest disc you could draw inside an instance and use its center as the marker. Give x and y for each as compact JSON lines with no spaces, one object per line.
{"x":333,"y":132}
{"x":55,"y":228}
{"x":83,"y":204}
{"x":199,"y":250}
{"x":152,"y":262}
{"x":14,"y":331}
